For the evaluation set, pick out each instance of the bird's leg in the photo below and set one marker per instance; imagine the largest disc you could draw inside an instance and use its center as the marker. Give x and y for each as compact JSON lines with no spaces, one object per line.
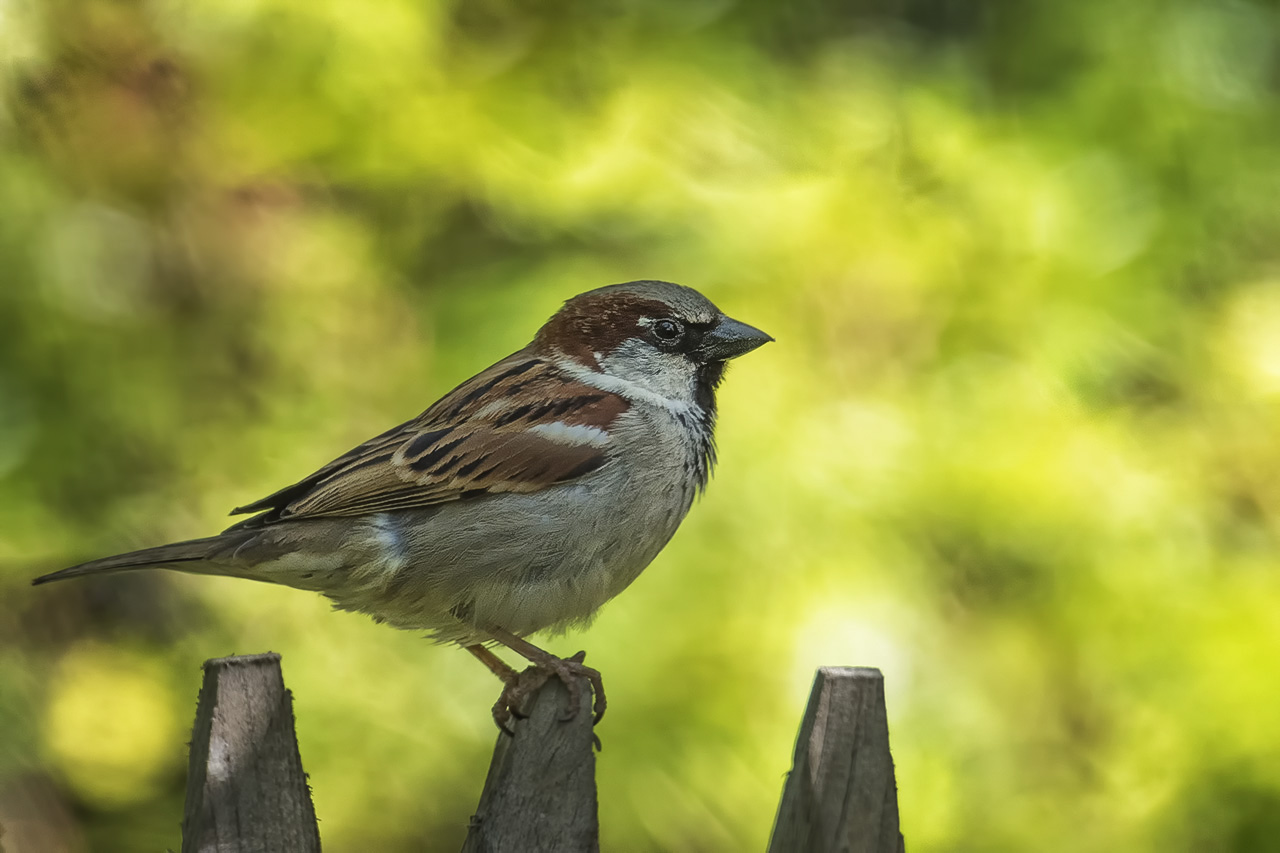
{"x":545,"y":665}
{"x":502,"y":709}
{"x":496,"y":664}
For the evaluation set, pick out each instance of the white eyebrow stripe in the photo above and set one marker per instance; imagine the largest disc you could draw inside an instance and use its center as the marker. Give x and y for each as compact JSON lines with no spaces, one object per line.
{"x":624,"y":388}
{"x":573,"y":434}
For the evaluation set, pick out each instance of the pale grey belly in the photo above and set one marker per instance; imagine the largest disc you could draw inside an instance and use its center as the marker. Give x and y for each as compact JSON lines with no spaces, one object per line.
{"x":520,"y":562}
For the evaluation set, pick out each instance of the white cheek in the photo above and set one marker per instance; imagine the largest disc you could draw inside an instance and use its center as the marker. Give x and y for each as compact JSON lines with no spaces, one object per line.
{"x":669,"y":375}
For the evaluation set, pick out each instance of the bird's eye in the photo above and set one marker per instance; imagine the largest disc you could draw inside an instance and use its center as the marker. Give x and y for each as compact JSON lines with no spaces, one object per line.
{"x":667,"y":330}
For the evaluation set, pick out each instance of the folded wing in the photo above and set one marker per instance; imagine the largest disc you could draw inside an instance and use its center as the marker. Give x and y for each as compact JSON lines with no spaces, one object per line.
{"x":519,"y":426}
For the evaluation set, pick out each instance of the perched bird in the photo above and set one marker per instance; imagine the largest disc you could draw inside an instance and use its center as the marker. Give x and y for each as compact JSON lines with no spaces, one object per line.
{"x":523,"y":499}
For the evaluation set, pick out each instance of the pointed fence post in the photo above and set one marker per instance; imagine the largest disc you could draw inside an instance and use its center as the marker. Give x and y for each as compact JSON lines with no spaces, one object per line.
{"x":540,"y":795}
{"x":841,"y":795}
{"x":246,"y":792}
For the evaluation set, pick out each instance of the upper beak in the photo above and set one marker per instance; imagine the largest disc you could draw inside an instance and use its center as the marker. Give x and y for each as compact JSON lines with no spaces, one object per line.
{"x":730,"y":339}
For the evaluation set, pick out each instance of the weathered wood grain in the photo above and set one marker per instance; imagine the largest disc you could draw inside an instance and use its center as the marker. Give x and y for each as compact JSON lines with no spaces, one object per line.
{"x":246,"y":792}
{"x":841,"y":795}
{"x":540,"y":795}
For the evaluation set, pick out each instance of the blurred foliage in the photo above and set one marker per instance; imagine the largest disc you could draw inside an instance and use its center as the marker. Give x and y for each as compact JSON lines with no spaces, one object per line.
{"x":1015,"y":446}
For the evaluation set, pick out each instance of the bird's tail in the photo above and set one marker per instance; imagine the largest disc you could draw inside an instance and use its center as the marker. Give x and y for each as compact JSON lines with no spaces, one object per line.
{"x":183,"y":556}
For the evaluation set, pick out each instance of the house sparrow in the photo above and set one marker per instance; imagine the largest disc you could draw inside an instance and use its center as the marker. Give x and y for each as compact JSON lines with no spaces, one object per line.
{"x":523,"y":499}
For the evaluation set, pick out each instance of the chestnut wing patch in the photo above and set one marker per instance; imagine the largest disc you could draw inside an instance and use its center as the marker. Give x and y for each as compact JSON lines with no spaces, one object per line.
{"x":519,"y":426}
{"x":457,"y":465}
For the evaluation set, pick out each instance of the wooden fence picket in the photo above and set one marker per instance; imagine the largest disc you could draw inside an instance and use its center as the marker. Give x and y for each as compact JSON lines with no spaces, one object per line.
{"x":247,"y":793}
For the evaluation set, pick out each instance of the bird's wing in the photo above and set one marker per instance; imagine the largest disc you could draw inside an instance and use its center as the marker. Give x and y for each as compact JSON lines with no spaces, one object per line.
{"x":520,"y":426}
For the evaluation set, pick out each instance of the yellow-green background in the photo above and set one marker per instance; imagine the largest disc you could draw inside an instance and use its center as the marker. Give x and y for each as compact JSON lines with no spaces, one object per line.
{"x":1016,"y":444}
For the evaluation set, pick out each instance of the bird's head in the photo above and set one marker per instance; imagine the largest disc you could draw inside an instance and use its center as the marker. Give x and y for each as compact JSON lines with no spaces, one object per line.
{"x":666,"y":338}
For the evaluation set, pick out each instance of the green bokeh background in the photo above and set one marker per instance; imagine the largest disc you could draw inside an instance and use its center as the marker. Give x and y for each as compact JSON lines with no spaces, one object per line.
{"x":1016,"y":444}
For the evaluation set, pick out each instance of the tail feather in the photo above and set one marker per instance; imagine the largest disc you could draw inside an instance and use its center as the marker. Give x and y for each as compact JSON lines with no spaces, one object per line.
{"x":164,"y":556}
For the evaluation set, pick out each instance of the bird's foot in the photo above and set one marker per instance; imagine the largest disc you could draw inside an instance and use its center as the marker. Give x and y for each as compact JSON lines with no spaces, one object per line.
{"x":571,"y":671}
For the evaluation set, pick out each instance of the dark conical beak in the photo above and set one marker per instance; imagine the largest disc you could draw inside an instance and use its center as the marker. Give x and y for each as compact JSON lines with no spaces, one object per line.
{"x":730,"y":339}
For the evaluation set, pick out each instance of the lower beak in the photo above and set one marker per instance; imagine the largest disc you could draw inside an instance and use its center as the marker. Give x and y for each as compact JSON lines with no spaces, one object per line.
{"x":730,"y":339}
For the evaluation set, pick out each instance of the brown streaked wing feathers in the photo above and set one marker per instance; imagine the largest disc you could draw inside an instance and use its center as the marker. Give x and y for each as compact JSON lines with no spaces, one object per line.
{"x":463,"y":446}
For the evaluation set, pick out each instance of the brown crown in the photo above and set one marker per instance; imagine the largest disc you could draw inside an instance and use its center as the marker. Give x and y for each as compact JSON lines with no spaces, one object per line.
{"x":597,"y":322}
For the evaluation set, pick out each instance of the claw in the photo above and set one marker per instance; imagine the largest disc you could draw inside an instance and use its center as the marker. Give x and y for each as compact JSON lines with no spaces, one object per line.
{"x":501,"y":716}
{"x":597,"y":686}
{"x":520,"y":687}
